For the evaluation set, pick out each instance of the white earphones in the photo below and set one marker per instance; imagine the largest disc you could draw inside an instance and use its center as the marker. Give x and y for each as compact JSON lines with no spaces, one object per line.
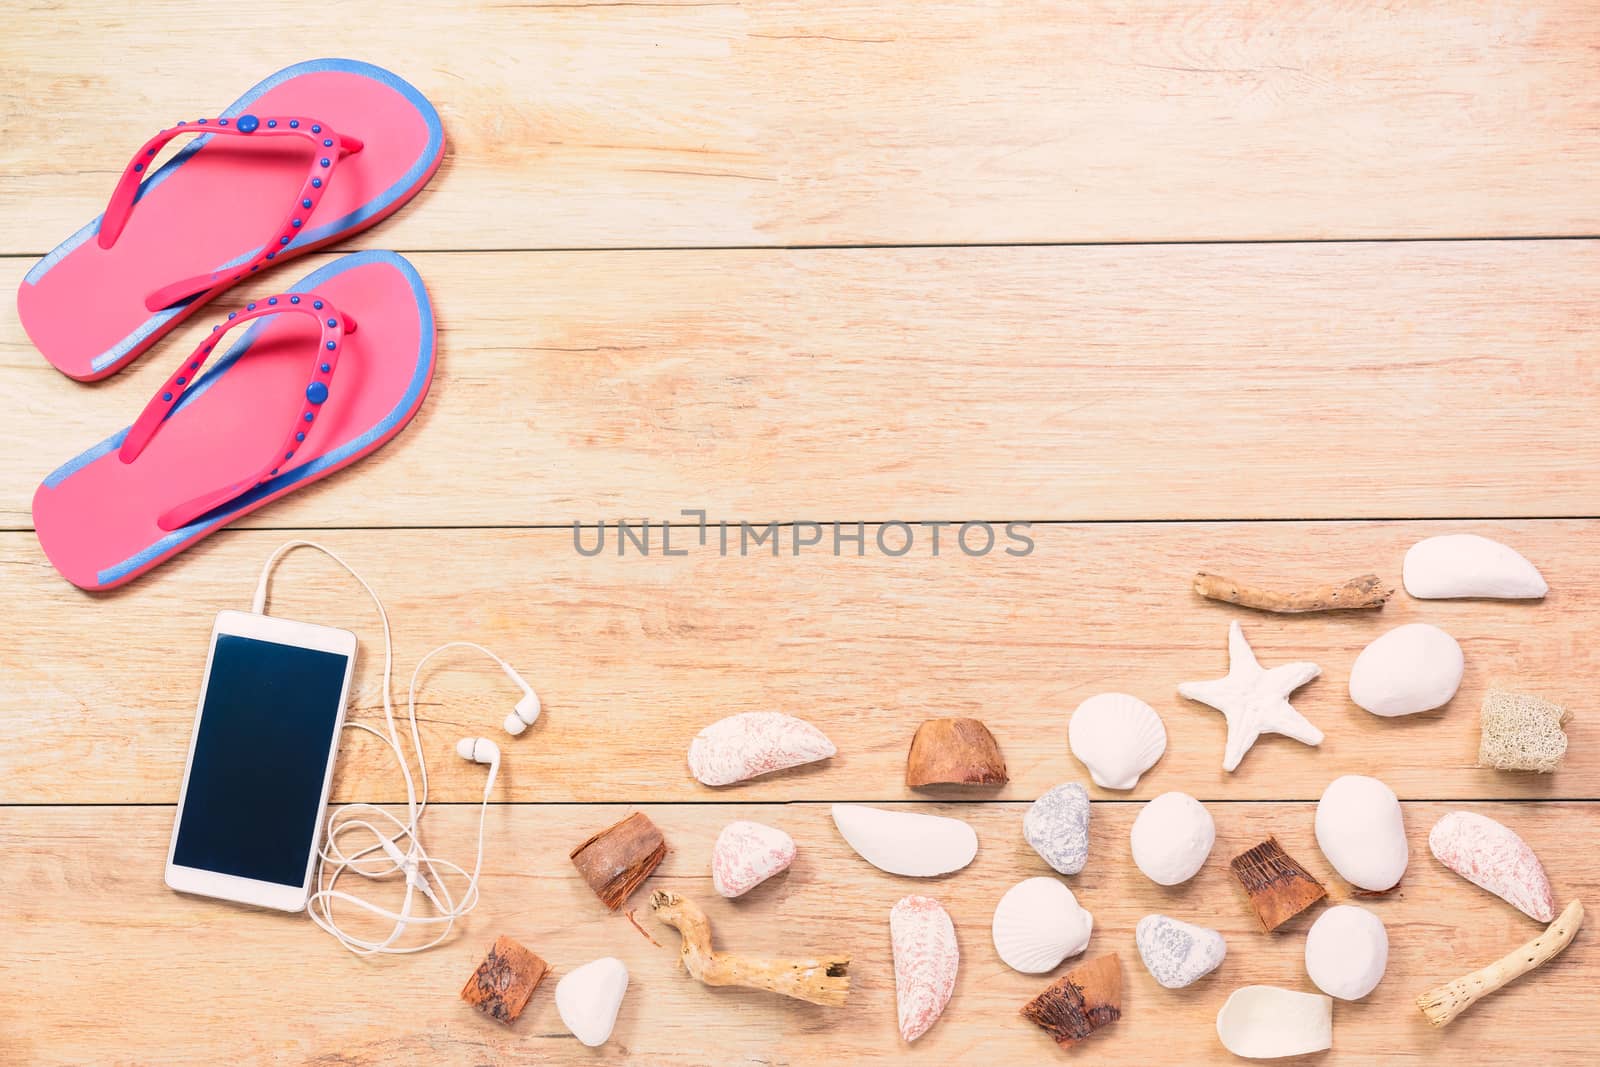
{"x":422,"y":872}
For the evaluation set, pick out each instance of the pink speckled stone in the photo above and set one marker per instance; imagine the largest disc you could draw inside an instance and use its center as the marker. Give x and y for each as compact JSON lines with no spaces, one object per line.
{"x":755,"y":743}
{"x":747,"y":854}
{"x":925,"y":961}
{"x":1491,"y":856}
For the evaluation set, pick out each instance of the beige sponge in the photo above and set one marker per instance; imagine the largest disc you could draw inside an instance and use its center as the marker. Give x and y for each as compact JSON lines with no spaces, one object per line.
{"x":1521,"y":732}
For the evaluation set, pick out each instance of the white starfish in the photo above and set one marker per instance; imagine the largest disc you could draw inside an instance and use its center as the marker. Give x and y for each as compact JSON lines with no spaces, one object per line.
{"x":1254,"y":700}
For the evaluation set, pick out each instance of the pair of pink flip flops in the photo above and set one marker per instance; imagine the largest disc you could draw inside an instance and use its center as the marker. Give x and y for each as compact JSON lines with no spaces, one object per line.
{"x":326,"y":370}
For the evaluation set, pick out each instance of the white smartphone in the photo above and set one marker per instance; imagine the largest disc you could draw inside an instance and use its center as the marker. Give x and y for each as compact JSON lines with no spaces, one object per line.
{"x":261,"y":760}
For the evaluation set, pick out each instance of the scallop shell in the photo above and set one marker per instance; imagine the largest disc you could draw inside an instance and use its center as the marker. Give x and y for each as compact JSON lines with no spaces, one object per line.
{"x":1037,"y":924}
{"x":1118,"y":737}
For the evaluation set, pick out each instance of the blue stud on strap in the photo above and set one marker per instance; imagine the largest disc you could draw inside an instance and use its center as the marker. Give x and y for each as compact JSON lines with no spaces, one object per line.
{"x":294,"y":124}
{"x":316,"y":183}
{"x":317,"y":304}
{"x":222,"y":122}
{"x":332,"y":323}
{"x":272,"y":300}
{"x":300,"y":436}
{"x":325,"y":162}
{"x":166,"y":396}
{"x":331,"y":346}
{"x":294,"y":300}
{"x":272,"y":124}
{"x":316,"y":129}
{"x":326,"y":143}
{"x":248,"y":124}
{"x":306,"y":203}
{"x":316,"y":392}
{"x":326,"y":368}
{"x":308,"y":416}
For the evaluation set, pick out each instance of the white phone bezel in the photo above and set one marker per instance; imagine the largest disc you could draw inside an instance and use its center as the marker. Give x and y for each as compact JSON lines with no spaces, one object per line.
{"x":250,"y":890}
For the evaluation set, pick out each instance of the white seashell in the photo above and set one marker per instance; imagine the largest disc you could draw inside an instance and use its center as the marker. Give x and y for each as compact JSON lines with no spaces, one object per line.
{"x":906,"y":842}
{"x":1037,"y":924}
{"x":755,"y":743}
{"x":1254,"y":700}
{"x":1263,"y":1022}
{"x":588,"y":999}
{"x":1347,"y":952}
{"x":1457,"y":565}
{"x":1178,"y":954}
{"x":747,"y":854}
{"x":1412,"y":668}
{"x":1057,"y":826}
{"x":1172,"y":837}
{"x":1361,"y":831}
{"x":926,"y":959}
{"x":1118,"y":737}
{"x":1491,"y":856}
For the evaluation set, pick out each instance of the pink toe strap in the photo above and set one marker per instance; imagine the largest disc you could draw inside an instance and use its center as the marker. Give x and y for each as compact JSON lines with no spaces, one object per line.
{"x":333,"y":325}
{"x":328,"y":147}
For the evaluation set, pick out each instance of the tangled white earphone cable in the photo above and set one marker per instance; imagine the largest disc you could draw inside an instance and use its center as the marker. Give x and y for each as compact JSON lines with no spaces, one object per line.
{"x":398,"y":840}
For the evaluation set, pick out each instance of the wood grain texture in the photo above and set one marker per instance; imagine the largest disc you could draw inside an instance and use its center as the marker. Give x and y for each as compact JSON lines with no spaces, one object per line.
{"x":772,"y":123}
{"x":88,"y":920}
{"x":1303,"y":381}
{"x":633,"y":656}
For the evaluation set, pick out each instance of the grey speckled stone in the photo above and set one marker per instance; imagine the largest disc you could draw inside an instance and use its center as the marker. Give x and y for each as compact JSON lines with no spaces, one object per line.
{"x":1176,"y":953}
{"x":1057,"y":826}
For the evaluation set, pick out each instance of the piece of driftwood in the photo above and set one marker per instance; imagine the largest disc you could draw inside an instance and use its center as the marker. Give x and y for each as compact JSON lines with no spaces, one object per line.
{"x":954,"y":752}
{"x":1367,"y":591}
{"x":1080,"y":1002}
{"x":1278,"y":887}
{"x":504,"y":981}
{"x":617,"y":859}
{"x":1443,"y":1003}
{"x":816,"y":980}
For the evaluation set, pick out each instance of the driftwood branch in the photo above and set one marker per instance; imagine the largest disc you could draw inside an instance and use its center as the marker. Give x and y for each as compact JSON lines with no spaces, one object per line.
{"x":1367,"y":591}
{"x":818,"y":981}
{"x":1443,"y":1003}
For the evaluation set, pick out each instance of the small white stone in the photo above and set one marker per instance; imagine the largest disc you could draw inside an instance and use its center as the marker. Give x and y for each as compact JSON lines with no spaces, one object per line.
{"x":1463,"y":565}
{"x":1361,"y":831}
{"x":1347,"y":952}
{"x":1057,"y":826}
{"x":1412,"y":668}
{"x":1176,"y":953}
{"x":1172,"y":837}
{"x":589,"y":997}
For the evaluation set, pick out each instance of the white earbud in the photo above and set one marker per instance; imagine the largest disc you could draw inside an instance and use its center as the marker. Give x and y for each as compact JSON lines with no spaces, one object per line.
{"x":479,"y":750}
{"x":527,"y":708}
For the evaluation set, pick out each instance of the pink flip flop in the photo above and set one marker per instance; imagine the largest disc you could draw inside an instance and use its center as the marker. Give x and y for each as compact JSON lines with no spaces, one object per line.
{"x":313,"y":154}
{"x":330,"y":370}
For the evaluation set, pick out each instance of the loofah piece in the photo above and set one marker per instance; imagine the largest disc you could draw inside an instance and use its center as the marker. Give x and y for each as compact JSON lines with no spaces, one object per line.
{"x":1521,"y":732}
{"x":504,"y":981}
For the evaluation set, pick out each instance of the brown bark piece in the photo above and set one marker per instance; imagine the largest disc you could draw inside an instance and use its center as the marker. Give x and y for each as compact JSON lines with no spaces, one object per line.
{"x":504,"y":981}
{"x":617,"y":859}
{"x":1278,"y":887}
{"x":1079,"y":1002}
{"x":954,"y":752}
{"x":1367,"y":591}
{"x":824,"y":981}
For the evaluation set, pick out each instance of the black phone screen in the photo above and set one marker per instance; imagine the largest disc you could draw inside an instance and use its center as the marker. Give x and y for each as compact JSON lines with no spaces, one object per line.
{"x":260,"y":756}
